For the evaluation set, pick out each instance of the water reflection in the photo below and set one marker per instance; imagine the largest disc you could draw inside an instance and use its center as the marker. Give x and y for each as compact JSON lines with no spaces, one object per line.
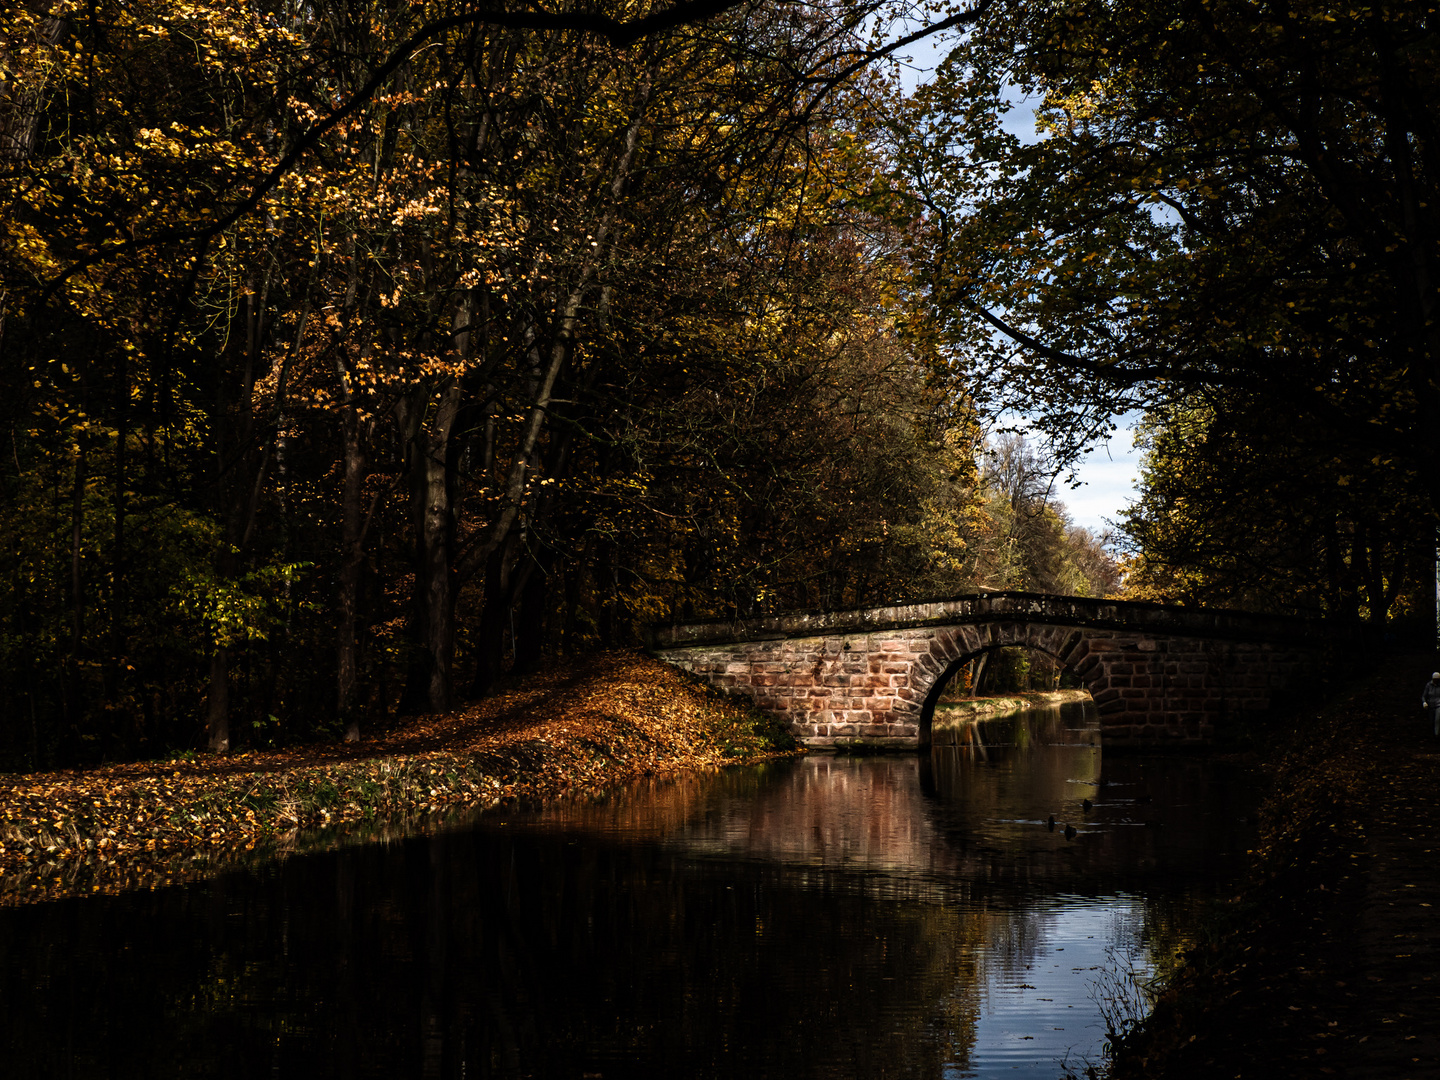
{"x":830,"y":917}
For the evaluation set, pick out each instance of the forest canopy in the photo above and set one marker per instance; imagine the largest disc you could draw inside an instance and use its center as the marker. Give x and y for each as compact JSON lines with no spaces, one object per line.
{"x":357,"y":353}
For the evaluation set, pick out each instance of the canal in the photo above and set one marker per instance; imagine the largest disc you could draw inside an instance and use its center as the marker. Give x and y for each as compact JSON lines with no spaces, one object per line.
{"x":892,"y":916}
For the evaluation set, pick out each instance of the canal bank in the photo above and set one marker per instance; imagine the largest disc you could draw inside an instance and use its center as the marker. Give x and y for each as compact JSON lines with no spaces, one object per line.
{"x":573,"y":731}
{"x":962,"y":709}
{"x":1326,"y":959}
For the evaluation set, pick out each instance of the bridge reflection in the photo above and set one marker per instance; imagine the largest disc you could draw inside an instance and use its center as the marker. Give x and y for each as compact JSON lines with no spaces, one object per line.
{"x":960,"y":815}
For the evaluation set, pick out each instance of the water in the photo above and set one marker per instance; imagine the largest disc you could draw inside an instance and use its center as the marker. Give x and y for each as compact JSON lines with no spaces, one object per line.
{"x":828,"y":917}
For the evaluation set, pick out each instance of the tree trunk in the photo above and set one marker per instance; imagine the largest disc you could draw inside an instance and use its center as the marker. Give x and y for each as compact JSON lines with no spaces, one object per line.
{"x":433,"y":610}
{"x":977,"y":673}
{"x":218,"y":713}
{"x":77,"y":589}
{"x":352,"y":556}
{"x":490,"y":638}
{"x":530,"y":628}
{"x":570,"y":636}
{"x":21,"y":109}
{"x":606,"y":594}
{"x":238,"y":493}
{"x":115,"y":662}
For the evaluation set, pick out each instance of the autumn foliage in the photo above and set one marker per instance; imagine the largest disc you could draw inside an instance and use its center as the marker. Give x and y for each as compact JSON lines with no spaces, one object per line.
{"x":359,"y":354}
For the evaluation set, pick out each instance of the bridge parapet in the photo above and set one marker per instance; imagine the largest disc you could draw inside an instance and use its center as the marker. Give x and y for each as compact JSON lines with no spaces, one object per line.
{"x":987,"y":607}
{"x":1159,"y":674}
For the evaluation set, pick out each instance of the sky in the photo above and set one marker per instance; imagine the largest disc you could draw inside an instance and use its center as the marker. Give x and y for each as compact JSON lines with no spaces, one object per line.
{"x":1107,"y":473}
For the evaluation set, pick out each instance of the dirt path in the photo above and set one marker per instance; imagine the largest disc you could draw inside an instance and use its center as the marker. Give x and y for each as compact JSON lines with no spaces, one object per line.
{"x":1396,"y":1025}
{"x":1328,"y":963}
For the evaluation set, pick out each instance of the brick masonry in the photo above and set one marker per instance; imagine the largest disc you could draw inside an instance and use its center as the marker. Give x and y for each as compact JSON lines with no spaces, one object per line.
{"x":1159,"y":675}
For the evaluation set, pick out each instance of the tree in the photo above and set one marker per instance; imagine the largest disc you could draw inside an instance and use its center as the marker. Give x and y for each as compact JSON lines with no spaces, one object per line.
{"x":387,"y":340}
{"x":1033,"y":545}
{"x":1239,"y":510}
{"x":1226,"y":198}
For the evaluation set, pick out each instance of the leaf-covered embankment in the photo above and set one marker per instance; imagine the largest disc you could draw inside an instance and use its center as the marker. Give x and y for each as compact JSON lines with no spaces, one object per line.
{"x":1326,"y":961}
{"x":571,"y":731}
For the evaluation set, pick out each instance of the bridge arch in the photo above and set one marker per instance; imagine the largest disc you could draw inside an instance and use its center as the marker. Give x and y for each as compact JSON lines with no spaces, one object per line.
{"x":1158,"y":674}
{"x":1027,"y":636}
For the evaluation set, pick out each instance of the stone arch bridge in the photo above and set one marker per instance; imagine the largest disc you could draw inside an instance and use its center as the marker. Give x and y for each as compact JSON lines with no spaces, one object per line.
{"x":1160,"y":675}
